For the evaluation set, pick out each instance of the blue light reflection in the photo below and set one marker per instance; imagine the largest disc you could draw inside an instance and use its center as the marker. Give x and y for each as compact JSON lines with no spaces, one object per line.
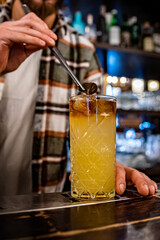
{"x":113,"y":62}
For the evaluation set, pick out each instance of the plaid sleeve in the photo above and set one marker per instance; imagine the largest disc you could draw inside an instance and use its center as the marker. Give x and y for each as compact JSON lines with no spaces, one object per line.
{"x":5,"y":11}
{"x":95,"y":72}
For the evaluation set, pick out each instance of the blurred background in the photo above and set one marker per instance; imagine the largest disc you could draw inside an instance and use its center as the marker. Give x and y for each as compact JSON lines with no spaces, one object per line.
{"x":126,"y":35}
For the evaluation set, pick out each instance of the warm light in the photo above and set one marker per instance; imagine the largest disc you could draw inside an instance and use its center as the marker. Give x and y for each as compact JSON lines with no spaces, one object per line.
{"x":116,"y":91}
{"x":114,"y":80}
{"x":105,"y":77}
{"x":109,"y":79}
{"x":153,"y":85}
{"x":137,"y":85}
{"x":87,"y":29}
{"x":123,"y":80}
{"x":109,"y":90}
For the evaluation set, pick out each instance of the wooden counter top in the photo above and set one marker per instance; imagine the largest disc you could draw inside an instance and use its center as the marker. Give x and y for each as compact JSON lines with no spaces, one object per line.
{"x":128,"y":217}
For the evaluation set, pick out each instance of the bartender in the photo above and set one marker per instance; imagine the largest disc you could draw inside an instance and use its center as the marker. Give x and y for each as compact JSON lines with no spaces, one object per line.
{"x":35,"y":102}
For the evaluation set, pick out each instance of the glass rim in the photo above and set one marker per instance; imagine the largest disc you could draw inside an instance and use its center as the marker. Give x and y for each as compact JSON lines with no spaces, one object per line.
{"x":98,"y":96}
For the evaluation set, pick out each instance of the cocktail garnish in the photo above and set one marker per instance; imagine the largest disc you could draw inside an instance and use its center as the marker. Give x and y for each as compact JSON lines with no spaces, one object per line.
{"x":90,"y":88}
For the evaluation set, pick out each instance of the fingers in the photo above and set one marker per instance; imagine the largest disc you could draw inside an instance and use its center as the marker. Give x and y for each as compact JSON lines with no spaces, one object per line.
{"x":120,"y":178}
{"x":144,"y":184}
{"x":10,"y":37}
{"x":31,"y":36}
{"x":30,"y":29}
{"x":151,"y":184}
{"x":33,"y":21}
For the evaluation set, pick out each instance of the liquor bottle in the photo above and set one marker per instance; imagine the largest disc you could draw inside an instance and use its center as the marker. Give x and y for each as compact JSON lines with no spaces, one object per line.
{"x":134,"y":32}
{"x":90,"y":29}
{"x":114,"y":31}
{"x":78,"y":24}
{"x":156,"y":37}
{"x":101,"y":25}
{"x":108,"y":17}
{"x":67,"y":14}
{"x":147,"y":39}
{"x":125,"y":32}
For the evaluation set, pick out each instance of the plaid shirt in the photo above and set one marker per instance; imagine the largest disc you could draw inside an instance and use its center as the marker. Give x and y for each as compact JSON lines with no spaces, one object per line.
{"x":51,"y":123}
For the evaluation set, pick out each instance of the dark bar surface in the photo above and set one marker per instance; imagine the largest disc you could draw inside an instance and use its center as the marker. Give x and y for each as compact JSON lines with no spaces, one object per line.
{"x":58,"y":216}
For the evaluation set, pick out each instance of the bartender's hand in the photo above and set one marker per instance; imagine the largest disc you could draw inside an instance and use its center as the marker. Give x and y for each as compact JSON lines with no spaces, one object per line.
{"x":129,"y":176}
{"x":19,"y":39}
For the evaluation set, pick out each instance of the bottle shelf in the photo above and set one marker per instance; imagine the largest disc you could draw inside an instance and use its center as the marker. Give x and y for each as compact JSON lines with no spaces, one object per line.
{"x":107,"y":46}
{"x":138,"y":112}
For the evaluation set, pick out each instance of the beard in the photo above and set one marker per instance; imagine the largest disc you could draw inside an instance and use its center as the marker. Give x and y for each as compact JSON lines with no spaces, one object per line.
{"x":41,"y":9}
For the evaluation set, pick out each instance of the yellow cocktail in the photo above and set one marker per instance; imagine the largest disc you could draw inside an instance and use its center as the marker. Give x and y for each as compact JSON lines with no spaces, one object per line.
{"x":92,"y":145}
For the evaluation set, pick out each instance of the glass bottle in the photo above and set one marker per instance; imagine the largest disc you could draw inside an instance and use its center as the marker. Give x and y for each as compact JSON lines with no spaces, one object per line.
{"x":147,"y":39}
{"x":101,"y":25}
{"x":108,"y":17}
{"x":134,"y":32}
{"x":67,"y":14}
{"x":114,"y":31}
{"x":78,"y":24}
{"x":125,"y":32}
{"x":156,"y":37}
{"x":90,"y":29}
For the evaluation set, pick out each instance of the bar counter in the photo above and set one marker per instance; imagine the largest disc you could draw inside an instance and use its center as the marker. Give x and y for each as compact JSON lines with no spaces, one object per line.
{"x":59,"y":216}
